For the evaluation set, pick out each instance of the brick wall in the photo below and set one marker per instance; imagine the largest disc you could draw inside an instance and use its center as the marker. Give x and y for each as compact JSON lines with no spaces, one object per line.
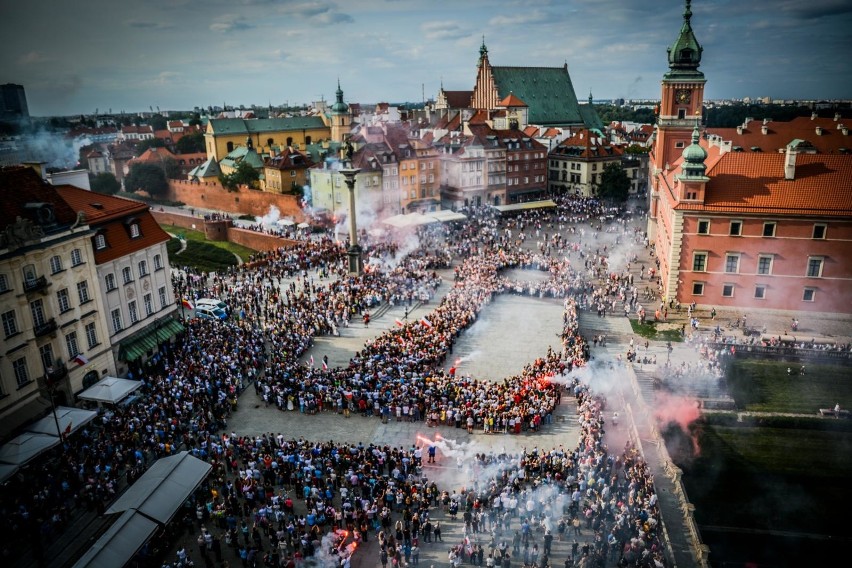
{"x":257,"y":241}
{"x":185,"y":221}
{"x":244,"y":201}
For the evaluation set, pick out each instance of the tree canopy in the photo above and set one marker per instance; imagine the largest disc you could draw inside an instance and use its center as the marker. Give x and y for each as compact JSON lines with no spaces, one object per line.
{"x":105,"y":183}
{"x":147,"y":177}
{"x":190,"y":143}
{"x":244,"y":174}
{"x":149,"y":143}
{"x":615,"y":185}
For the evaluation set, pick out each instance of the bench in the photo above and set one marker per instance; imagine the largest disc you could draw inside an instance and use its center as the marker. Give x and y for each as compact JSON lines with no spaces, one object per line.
{"x":830,"y":412}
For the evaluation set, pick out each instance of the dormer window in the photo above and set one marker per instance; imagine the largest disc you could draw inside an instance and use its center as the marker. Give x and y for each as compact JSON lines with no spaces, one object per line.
{"x":100,"y":241}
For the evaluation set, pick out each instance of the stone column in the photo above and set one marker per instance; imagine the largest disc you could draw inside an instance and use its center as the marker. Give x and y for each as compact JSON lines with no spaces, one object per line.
{"x":356,"y":263}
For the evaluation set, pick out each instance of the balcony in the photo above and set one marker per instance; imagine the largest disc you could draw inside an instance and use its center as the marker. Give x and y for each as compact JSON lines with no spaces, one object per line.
{"x":55,"y":373}
{"x":45,"y":328}
{"x":33,"y":285}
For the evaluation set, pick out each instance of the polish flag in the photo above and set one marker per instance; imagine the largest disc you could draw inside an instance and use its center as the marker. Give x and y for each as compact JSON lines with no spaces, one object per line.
{"x":187,"y":304}
{"x":324,"y":366}
{"x":426,"y":322}
{"x":312,"y":361}
{"x":80,"y":359}
{"x":399,"y":323}
{"x":67,"y":430}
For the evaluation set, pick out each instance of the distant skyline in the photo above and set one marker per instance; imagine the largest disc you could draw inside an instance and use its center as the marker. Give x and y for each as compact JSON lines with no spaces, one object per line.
{"x":74,"y":57}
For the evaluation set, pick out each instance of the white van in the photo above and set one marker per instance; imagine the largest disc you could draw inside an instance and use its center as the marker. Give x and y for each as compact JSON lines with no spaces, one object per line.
{"x":212,"y":303}
{"x":210,"y":312}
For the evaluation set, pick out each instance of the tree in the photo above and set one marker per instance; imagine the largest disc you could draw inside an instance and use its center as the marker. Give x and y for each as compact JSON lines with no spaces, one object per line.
{"x":244,"y":174}
{"x":157,"y":122}
{"x":105,"y":183}
{"x":146,"y":177}
{"x":190,"y":143}
{"x":149,"y":143}
{"x":615,"y":185}
{"x":172,"y":169}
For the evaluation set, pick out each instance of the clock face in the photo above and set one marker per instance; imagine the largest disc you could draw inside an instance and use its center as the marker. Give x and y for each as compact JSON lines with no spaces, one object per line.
{"x":683,"y":96}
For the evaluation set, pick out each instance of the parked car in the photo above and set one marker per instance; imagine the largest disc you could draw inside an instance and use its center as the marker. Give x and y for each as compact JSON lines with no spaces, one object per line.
{"x":210,"y":312}
{"x":213,"y":303}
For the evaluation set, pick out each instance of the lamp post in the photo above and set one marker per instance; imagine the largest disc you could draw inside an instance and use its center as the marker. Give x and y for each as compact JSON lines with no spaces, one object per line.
{"x":356,"y":264}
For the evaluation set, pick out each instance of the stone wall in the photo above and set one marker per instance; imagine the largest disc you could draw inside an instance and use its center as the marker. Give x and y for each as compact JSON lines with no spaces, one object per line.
{"x":243,"y":201}
{"x":185,"y":221}
{"x":257,"y":241}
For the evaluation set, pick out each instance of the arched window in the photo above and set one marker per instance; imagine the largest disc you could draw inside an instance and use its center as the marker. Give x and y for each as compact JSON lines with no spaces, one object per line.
{"x":269,"y":142}
{"x":230,"y":147}
{"x":289,"y":141}
{"x":307,"y":140}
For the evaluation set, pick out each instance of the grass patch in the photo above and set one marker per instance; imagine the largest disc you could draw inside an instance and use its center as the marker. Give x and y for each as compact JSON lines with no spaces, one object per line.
{"x":197,"y":236}
{"x":649,"y":330}
{"x":764,"y":385}
{"x":203,"y":256}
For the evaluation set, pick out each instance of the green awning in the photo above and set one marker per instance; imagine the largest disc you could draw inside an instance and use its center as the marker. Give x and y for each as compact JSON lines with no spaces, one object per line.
{"x":149,"y":339}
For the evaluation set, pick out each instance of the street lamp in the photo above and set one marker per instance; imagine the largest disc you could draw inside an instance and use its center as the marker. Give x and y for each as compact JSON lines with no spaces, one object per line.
{"x":356,"y":263}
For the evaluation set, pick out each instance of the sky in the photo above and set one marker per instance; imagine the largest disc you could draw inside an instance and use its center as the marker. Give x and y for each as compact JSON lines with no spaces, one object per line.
{"x":76,"y":57}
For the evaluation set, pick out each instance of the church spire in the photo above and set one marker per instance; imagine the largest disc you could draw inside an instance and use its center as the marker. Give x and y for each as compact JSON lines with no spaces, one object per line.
{"x":693,"y":168}
{"x":483,"y":51}
{"x":685,"y":52}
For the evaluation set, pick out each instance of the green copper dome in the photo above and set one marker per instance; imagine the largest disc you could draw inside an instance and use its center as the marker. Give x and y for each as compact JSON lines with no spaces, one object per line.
{"x":693,"y":158}
{"x":685,"y":53}
{"x":339,"y":107}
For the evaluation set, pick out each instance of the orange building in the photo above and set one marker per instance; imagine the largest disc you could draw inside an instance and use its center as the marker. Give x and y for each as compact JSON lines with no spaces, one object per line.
{"x":748,"y":230}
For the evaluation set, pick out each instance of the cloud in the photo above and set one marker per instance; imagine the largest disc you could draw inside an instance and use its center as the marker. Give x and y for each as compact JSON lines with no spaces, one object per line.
{"x":816,"y":9}
{"x":318,"y":13}
{"x":230,"y":23}
{"x":443,"y":30}
{"x":33,"y":57}
{"x":148,"y":25}
{"x":533,"y":17}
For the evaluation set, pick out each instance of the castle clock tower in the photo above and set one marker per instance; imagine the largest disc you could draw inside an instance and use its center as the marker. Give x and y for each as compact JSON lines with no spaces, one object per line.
{"x":681,"y":103}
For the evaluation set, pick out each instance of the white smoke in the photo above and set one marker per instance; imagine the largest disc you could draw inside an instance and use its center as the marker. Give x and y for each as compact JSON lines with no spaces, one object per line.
{"x":55,"y":149}
{"x":271,"y":218}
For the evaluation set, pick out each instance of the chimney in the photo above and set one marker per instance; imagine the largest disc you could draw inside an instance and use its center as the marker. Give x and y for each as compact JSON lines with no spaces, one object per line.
{"x":836,"y":116}
{"x":819,"y":130}
{"x":845,"y":131}
{"x":764,"y":129}
{"x":790,"y":164}
{"x":766,"y":121}
{"x":740,"y":130}
{"x":814,"y":116}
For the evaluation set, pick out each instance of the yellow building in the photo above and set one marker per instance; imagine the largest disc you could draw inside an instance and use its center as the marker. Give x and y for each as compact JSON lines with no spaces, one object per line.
{"x":268,"y":135}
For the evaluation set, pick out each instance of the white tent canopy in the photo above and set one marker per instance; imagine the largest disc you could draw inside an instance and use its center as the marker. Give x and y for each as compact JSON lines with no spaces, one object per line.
{"x":162,"y":489}
{"x":76,"y":418}
{"x":286,"y":222}
{"x":119,"y":543}
{"x":543,"y":204}
{"x":445,"y":215}
{"x":110,"y":389}
{"x":25,"y":447}
{"x":409,"y":220}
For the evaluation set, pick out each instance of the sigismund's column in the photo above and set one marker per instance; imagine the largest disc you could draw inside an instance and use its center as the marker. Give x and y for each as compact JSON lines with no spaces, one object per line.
{"x":356,"y":263}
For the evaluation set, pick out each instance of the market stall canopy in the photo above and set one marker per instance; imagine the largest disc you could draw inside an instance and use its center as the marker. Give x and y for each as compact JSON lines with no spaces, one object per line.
{"x":302,"y":226}
{"x":409,"y":220}
{"x":25,"y":447}
{"x":446,"y":215}
{"x":286,"y":222}
{"x":119,"y":543}
{"x":70,"y":420}
{"x":149,"y":339}
{"x":110,"y":389}
{"x":544,"y":204}
{"x":161,"y":490}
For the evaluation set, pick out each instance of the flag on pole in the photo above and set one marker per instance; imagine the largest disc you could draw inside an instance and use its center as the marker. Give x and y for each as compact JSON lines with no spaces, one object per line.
{"x":399,"y":322}
{"x":324,"y":366}
{"x":80,"y":359}
{"x":312,"y":361}
{"x":187,"y":304}
{"x":426,"y":322}
{"x":67,"y":430}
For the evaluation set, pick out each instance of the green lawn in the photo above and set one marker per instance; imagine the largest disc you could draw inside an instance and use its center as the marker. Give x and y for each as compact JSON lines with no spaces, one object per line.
{"x":764,"y":385}
{"x":198,"y":236}
{"x":649,"y":330}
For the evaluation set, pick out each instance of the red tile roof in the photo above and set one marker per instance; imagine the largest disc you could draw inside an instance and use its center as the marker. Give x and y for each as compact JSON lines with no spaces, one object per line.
{"x":587,"y":144}
{"x":20,"y":185}
{"x":458,"y":99}
{"x":153,"y":155}
{"x":109,"y":215}
{"x":511,"y":100}
{"x":779,"y":134}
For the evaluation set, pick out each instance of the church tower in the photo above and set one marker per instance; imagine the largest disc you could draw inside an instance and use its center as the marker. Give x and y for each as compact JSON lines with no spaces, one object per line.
{"x":681,"y":103}
{"x":341,"y":117}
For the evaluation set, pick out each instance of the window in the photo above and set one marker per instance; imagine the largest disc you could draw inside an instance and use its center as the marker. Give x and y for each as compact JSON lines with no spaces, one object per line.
{"x":109,"y":280}
{"x":815,"y":266}
{"x":698,"y":288}
{"x":764,"y":264}
{"x":62,"y":300}
{"x":163,"y":297}
{"x":699,"y":261}
{"x":22,"y":374}
{"x":115,"y":315}
{"x":4,"y":283}
{"x":736,"y":228}
{"x":134,"y":231}
{"x":83,"y":291}
{"x":732,"y":263}
{"x":769,"y":229}
{"x":46,"y":354}
{"x":134,"y":313}
{"x":127,"y":275}
{"x":808,"y":295}
{"x":728,"y":290}
{"x":37,"y":310}
{"x":10,"y":323}
{"x":149,"y":304}
{"x":760,"y":292}
{"x":100,"y":241}
{"x":703,"y":227}
{"x":76,"y":257}
{"x":679,"y":144}
{"x":681,"y":114}
{"x":819,"y":231}
{"x":55,"y":264}
{"x":143,"y":268}
{"x":71,"y":344}
{"x":91,"y":335}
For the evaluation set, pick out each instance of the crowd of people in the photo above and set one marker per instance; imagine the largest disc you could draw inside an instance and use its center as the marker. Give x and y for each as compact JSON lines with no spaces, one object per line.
{"x":285,"y":298}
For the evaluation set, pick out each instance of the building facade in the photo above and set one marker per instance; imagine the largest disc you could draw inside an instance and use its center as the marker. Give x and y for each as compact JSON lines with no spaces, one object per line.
{"x":55,"y":336}
{"x":576,"y":165}
{"x":268,"y":135}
